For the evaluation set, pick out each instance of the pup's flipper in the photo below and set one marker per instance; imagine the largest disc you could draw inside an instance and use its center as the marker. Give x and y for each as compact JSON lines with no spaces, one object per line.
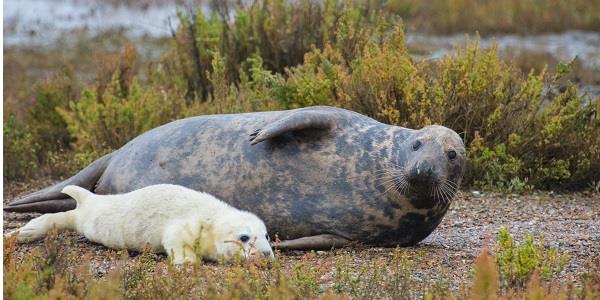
{"x":38,"y":228}
{"x":78,"y":193}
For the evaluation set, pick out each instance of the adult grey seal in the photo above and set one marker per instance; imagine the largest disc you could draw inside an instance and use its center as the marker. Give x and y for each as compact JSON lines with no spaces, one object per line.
{"x":319,"y":177}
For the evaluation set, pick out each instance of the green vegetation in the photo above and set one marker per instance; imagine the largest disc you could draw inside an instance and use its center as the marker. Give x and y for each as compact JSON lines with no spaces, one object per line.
{"x":488,"y":16}
{"x":522,"y":130}
{"x":19,"y":150}
{"x":57,"y":268}
{"x":517,"y":263}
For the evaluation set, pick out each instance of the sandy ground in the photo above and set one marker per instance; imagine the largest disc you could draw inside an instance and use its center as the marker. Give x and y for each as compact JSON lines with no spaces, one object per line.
{"x":570,"y":222}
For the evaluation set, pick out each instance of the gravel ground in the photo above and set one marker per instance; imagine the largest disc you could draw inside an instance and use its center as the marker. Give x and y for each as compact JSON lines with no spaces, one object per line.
{"x":568,"y":221}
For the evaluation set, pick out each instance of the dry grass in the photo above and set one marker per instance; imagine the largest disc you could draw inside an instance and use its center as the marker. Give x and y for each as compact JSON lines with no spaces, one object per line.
{"x":441,"y":267}
{"x":55,"y":268}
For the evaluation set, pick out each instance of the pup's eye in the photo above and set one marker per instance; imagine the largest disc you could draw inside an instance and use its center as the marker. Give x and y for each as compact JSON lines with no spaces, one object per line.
{"x":244,"y":238}
{"x":451,"y":154}
{"x":417,"y":145}
{"x":267,"y":236}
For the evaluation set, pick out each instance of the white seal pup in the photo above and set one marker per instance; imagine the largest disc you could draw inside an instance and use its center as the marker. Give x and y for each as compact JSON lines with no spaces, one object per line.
{"x":170,"y":219}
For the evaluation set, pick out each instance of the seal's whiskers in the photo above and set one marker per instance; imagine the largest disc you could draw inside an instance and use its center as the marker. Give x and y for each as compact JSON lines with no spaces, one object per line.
{"x":392,"y":176}
{"x":448,"y":190}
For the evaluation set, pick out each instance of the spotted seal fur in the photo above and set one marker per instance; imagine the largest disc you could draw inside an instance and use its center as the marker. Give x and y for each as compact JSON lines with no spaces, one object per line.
{"x":319,"y":176}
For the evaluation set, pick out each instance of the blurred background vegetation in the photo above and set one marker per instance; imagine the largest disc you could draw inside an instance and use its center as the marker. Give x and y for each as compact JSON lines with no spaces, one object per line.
{"x":525,"y":118}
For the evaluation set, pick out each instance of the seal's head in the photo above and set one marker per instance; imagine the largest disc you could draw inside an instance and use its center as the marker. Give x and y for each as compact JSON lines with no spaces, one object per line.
{"x":434,"y":164}
{"x":241,"y":233}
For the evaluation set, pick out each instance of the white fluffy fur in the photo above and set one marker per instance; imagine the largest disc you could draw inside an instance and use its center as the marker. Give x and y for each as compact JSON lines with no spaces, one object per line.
{"x":168,"y":218}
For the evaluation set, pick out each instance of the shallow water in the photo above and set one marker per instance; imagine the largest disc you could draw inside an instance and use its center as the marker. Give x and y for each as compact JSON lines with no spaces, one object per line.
{"x":40,"y":22}
{"x":43,"y":22}
{"x":563,"y":46}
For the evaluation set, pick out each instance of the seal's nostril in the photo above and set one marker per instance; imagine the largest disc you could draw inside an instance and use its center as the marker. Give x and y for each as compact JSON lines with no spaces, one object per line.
{"x":266,"y":253}
{"x":416,"y":145}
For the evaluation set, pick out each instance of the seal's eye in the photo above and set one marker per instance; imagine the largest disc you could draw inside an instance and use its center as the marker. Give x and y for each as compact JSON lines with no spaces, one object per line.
{"x":417,"y":145}
{"x":451,"y":154}
{"x":244,"y":238}
{"x":267,"y":236}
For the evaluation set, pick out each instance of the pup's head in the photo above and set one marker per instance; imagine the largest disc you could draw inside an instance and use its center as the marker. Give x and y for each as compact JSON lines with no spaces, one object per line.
{"x":241,"y":233}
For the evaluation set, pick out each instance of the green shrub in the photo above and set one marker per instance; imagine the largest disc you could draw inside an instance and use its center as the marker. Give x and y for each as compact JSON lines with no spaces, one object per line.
{"x":308,"y":84}
{"x":493,"y":169}
{"x":386,"y":84}
{"x":110,"y":114}
{"x":20,"y":150}
{"x":281,"y":32}
{"x":522,"y":131}
{"x":516,"y":263}
{"x":48,"y":127}
{"x":256,"y":91}
{"x":304,"y":279}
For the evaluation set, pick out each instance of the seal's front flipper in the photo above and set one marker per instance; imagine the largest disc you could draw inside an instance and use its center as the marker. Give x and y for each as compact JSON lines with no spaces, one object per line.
{"x":295,"y":120}
{"x":315,"y":242}
{"x":51,"y":199}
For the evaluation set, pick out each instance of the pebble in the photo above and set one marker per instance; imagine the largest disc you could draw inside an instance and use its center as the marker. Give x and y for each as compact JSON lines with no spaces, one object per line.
{"x":476,"y":194}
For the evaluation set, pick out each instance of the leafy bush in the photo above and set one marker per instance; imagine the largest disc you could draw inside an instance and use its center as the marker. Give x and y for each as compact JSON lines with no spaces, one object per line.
{"x":494,"y":168}
{"x":387,"y":84}
{"x":110,"y":123}
{"x":48,"y":127}
{"x":516,"y":263}
{"x":279,"y":31}
{"x":522,"y":131}
{"x":20,"y":150}
{"x":115,"y":111}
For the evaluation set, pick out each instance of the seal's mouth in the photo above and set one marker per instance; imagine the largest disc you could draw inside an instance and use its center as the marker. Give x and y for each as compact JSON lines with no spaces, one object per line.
{"x":422,"y":183}
{"x":422,"y":176}
{"x":422,"y":180}
{"x":433,"y":188}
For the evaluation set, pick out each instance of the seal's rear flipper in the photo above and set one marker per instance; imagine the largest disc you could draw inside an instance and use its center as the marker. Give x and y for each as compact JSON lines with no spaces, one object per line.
{"x":315,"y":242}
{"x":44,"y":207}
{"x":51,"y":199}
{"x":295,"y":120}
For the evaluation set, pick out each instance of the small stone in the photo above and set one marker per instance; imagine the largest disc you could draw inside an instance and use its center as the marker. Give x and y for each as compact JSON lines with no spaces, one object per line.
{"x":476,"y":193}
